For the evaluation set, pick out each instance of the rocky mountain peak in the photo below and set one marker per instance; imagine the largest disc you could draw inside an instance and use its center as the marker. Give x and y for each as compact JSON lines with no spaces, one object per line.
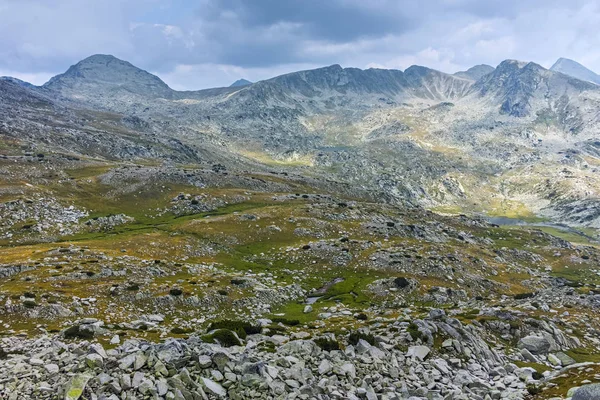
{"x":240,"y":82}
{"x":102,"y":71}
{"x":510,"y":65}
{"x":417,"y":70}
{"x":518,"y":85}
{"x":576,"y":70}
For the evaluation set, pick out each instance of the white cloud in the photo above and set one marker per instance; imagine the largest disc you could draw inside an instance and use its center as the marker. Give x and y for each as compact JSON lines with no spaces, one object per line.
{"x":440,"y":59}
{"x":218,"y":41}
{"x":200,"y":76}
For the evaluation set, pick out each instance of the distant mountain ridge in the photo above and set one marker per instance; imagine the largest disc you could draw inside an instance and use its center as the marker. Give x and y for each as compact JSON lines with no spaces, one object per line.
{"x":107,"y":81}
{"x":513,"y":88}
{"x":418,"y":136}
{"x":576,"y":70}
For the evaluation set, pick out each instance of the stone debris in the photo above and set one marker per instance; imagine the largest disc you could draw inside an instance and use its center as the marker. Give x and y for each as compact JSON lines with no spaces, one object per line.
{"x":383,"y":363}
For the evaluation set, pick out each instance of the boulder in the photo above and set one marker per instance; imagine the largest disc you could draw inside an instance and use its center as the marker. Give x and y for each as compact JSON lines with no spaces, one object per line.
{"x":587,"y":392}
{"x":76,"y":386}
{"x":418,"y":352}
{"x":554,"y":360}
{"x":535,"y":344}
{"x":94,"y":360}
{"x":565,"y":359}
{"x":437,"y":313}
{"x":214,"y":388}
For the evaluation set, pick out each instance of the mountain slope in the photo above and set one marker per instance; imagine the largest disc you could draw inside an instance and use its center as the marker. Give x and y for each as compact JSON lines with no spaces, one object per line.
{"x":576,"y":70}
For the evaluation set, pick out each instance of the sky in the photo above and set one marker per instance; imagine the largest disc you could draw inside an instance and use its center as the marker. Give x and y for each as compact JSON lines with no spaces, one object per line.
{"x":196,"y":44}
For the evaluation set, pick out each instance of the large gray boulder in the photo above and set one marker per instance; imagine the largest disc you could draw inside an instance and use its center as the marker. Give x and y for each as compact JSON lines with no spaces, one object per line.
{"x":535,"y":344}
{"x":565,"y":359}
{"x":418,"y":352}
{"x":587,"y":392}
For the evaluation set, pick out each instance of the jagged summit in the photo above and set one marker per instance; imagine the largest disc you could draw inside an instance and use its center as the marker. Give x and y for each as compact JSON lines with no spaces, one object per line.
{"x":525,"y":88}
{"x":576,"y":70}
{"x":476,"y":72}
{"x":240,"y":82}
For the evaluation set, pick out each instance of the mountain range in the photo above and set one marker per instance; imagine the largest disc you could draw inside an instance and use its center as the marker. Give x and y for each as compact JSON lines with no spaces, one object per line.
{"x":517,"y":140}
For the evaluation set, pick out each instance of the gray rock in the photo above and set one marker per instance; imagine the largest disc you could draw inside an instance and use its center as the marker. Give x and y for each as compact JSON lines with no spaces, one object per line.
{"x":213,"y":387}
{"x":418,"y":352}
{"x":51,"y":368}
{"x":437,"y":313}
{"x":325,"y":367}
{"x":528,"y":356}
{"x":552,"y":359}
{"x":127,"y":361}
{"x":162,"y":387}
{"x":535,"y":344}
{"x":138,"y":377}
{"x":97,"y":348}
{"x":587,"y":392}
{"x":94,"y":360}
{"x":140,"y":360}
{"x":204,"y":361}
{"x":565,"y":360}
{"x":76,"y":386}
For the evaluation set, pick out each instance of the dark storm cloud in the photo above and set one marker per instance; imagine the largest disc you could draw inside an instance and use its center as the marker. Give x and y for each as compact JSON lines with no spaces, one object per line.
{"x":196,"y":43}
{"x":336,"y":20}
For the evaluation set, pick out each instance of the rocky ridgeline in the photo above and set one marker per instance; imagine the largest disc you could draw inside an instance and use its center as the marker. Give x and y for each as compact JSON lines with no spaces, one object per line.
{"x":398,"y":360}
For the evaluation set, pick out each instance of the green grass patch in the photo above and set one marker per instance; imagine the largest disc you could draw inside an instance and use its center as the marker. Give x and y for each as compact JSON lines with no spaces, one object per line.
{"x":584,"y":355}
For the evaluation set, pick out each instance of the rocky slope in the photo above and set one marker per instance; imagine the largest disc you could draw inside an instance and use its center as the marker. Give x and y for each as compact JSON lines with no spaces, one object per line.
{"x":373,"y":364}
